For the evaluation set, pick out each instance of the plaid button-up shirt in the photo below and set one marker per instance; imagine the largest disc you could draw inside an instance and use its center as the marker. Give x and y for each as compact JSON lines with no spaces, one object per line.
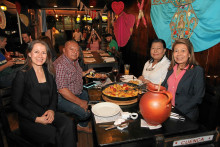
{"x":68,"y":75}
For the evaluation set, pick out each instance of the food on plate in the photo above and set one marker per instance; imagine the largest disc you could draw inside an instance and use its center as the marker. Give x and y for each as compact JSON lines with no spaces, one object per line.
{"x":96,"y":75}
{"x":134,"y":82}
{"x":121,"y":90}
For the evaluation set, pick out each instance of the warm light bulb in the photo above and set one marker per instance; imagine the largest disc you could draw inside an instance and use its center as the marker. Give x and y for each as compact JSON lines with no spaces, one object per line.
{"x":4,"y":8}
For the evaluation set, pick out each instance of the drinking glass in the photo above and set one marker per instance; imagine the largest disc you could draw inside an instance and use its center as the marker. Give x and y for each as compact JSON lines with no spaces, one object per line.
{"x":126,"y":69}
{"x":115,"y":73}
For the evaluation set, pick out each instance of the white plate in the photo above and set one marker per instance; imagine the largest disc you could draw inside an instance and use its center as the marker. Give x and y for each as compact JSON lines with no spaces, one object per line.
{"x":128,"y":80}
{"x":106,"y":109}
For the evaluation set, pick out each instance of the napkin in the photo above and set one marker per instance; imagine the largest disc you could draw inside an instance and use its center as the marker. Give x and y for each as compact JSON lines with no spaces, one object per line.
{"x":86,"y":52}
{"x":145,"y":125}
{"x":89,"y":60}
{"x":108,"y":59}
{"x":87,"y":55}
{"x":104,"y":54}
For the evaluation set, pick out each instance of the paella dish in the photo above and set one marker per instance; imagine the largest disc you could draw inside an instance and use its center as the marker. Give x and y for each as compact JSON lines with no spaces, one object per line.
{"x":119,"y":90}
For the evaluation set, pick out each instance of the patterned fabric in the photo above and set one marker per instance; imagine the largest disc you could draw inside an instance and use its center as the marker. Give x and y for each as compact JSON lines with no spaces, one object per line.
{"x":183,"y":23}
{"x":158,"y":72}
{"x":68,"y":75}
{"x":197,"y":20}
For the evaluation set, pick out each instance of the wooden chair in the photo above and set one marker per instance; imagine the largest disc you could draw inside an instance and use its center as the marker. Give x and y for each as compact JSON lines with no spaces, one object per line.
{"x":210,"y":108}
{"x":5,"y":95}
{"x":15,"y":137}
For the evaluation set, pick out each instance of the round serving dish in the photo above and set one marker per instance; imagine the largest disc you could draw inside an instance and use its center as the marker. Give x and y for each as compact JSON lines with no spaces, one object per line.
{"x":120,"y":98}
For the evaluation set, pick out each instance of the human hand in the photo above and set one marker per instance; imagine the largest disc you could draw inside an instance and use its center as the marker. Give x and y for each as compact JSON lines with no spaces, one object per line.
{"x":84,"y":105}
{"x":49,"y":116}
{"x":141,"y":78}
{"x":90,"y":70}
{"x":41,"y":120}
{"x":10,"y":63}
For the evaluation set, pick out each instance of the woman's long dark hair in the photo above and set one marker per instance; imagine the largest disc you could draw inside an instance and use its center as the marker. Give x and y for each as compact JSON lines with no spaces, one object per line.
{"x":191,"y":60}
{"x":48,"y":63}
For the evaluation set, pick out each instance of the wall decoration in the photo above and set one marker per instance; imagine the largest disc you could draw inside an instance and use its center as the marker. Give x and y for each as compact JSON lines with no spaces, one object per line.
{"x":197,"y":20}
{"x":24,"y":19}
{"x":183,"y":22}
{"x":123,"y":27}
{"x":2,"y":20}
{"x":117,"y":7}
{"x":141,"y":14}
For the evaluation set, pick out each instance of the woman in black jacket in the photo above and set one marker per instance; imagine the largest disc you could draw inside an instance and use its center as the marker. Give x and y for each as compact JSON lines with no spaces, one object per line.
{"x":34,"y":97}
{"x":185,"y":79}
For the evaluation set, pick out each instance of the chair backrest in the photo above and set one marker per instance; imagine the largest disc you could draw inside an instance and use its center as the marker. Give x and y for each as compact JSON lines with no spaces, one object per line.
{"x":4,"y":119}
{"x":210,"y":108}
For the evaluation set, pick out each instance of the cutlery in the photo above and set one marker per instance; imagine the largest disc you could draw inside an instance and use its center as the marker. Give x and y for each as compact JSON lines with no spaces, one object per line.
{"x":114,"y":126}
{"x":176,"y":116}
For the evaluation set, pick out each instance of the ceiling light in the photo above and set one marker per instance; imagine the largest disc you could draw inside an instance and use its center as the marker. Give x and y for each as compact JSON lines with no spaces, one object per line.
{"x":91,"y":6}
{"x":3,"y":7}
{"x":55,"y":6}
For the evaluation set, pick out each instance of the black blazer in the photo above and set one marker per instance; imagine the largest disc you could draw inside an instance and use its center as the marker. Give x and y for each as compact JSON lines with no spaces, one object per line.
{"x":26,"y":95}
{"x":190,"y":91}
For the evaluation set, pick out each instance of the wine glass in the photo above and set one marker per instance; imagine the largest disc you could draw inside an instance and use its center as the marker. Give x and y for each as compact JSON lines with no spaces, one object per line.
{"x":115,"y":73}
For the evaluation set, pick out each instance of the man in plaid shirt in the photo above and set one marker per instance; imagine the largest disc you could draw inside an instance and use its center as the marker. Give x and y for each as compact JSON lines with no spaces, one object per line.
{"x":72,"y":98}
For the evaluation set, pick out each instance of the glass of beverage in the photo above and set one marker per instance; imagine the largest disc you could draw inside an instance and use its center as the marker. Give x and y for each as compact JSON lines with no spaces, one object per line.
{"x":115,"y":73}
{"x":126,"y":69}
{"x":103,"y":78}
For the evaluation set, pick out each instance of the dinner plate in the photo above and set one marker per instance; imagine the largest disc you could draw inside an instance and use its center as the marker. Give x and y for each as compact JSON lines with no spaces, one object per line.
{"x":106,"y":109}
{"x":134,"y":81}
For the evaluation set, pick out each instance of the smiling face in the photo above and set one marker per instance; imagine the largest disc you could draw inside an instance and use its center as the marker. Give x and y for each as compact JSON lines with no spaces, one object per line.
{"x":157,"y":51}
{"x":181,"y":54}
{"x":71,"y":50}
{"x":38,"y":54}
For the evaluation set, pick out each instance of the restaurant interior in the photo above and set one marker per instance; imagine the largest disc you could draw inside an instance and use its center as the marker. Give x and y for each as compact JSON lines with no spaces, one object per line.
{"x":142,"y":22}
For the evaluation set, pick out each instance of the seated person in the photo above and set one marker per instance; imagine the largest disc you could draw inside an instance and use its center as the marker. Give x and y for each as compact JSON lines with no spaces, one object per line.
{"x":185,"y":79}
{"x":34,"y":96}
{"x":112,"y":47}
{"x":27,"y":39}
{"x":7,"y":73}
{"x":156,"y":68}
{"x":94,"y":41}
{"x":72,"y":98}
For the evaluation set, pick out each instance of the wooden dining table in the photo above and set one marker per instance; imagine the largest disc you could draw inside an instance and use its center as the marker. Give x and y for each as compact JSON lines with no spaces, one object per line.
{"x":172,"y":132}
{"x":96,"y":59}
